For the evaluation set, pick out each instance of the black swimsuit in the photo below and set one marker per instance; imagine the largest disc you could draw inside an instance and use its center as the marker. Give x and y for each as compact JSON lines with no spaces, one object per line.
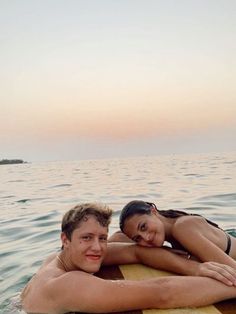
{"x":228,"y":243}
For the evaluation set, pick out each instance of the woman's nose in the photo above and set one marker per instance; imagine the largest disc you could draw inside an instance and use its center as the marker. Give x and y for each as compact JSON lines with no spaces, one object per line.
{"x":147,"y":237}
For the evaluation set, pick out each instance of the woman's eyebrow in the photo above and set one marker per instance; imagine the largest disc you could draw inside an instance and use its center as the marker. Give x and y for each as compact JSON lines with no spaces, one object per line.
{"x":139,"y":225}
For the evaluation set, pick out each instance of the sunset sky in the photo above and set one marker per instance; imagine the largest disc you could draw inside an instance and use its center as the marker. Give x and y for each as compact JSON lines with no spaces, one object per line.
{"x":116,"y":78}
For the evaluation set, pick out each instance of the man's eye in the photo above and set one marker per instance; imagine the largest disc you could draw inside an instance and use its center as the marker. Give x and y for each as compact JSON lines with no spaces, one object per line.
{"x":87,"y":238}
{"x":103,"y":239}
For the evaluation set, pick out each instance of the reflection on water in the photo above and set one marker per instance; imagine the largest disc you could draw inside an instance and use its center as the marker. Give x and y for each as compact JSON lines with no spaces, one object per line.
{"x":34,"y":197}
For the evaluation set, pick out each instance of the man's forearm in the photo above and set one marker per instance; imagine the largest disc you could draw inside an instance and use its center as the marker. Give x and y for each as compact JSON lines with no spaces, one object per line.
{"x":193,"y":292}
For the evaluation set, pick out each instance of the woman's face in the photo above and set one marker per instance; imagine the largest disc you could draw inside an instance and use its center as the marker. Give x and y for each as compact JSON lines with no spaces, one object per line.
{"x":145,"y":229}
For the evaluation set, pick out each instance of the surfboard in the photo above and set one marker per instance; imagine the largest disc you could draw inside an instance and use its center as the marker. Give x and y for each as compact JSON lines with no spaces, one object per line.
{"x":138,"y":272}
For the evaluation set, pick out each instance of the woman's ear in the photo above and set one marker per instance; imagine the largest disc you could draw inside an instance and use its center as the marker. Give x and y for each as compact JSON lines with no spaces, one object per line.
{"x":153,"y":210}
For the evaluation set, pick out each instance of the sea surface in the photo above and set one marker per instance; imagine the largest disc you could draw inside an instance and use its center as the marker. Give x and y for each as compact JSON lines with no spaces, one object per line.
{"x":34,"y":196}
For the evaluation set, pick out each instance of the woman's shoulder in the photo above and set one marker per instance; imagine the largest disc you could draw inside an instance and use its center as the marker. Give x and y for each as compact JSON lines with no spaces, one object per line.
{"x":188,"y":222}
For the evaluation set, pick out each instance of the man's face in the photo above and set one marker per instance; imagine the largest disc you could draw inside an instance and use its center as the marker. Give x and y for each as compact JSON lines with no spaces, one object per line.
{"x":88,"y":245}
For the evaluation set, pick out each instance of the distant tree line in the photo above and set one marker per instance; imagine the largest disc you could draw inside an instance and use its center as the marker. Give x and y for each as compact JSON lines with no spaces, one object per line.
{"x":11,"y":161}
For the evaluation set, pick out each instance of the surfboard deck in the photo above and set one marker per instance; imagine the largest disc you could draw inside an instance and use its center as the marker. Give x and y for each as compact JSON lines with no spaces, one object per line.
{"x":138,"y":272}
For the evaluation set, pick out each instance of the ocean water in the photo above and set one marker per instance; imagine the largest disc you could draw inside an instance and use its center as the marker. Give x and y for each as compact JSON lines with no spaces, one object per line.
{"x":34,"y":196}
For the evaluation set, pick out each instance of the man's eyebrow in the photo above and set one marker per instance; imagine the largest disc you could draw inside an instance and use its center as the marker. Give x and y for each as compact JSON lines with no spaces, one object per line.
{"x":87,"y":233}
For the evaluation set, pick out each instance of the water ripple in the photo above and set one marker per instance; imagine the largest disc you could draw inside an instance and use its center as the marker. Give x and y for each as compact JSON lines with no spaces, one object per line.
{"x":227,"y":200}
{"x":60,"y":185}
{"x":31,"y":212}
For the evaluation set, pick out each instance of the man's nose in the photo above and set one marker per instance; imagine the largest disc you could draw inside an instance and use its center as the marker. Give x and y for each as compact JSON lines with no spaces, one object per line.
{"x":96,"y":245}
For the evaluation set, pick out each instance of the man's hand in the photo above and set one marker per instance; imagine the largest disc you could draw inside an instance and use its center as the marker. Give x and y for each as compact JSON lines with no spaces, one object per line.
{"x":220,"y":272}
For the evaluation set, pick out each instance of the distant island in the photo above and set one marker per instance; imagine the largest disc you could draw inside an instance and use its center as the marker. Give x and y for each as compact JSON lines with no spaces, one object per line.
{"x":11,"y":161}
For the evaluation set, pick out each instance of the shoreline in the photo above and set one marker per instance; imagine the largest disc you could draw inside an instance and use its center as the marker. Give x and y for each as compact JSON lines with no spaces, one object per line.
{"x":11,"y":161}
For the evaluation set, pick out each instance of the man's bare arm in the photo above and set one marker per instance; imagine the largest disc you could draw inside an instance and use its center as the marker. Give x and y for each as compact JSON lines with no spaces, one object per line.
{"x":77,"y":291}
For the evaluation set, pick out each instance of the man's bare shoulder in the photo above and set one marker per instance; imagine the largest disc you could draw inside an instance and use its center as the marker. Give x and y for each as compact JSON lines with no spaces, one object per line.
{"x":70,"y":278}
{"x":70,"y":290}
{"x":50,"y":258}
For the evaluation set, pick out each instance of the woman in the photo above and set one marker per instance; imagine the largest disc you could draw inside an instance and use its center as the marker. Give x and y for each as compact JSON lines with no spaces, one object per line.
{"x":144,"y":224}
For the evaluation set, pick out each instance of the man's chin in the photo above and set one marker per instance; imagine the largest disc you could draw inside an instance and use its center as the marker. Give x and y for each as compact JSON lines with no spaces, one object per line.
{"x":91,"y":269}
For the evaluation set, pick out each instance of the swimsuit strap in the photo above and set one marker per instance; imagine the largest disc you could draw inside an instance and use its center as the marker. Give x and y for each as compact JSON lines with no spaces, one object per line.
{"x":228,"y":244}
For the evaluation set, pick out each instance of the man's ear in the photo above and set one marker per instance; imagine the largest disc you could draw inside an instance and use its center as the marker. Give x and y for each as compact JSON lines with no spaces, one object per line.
{"x":64,"y":240}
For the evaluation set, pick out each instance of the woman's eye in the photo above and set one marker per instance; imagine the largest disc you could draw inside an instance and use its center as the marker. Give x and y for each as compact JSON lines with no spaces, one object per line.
{"x":137,"y":239}
{"x":143,"y":227}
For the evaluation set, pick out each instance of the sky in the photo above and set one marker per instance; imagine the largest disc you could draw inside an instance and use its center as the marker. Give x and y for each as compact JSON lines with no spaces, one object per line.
{"x":116,"y":78}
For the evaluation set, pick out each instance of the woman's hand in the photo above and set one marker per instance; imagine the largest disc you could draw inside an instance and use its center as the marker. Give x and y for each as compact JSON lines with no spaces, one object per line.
{"x":220,"y":272}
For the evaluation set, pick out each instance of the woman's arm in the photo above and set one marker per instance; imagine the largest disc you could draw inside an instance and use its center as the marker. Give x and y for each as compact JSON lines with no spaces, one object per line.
{"x":160,"y":258}
{"x":119,"y":236}
{"x":192,"y":235}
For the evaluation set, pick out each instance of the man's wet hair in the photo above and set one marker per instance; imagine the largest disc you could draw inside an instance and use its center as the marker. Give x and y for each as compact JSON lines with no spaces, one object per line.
{"x":73,"y":218}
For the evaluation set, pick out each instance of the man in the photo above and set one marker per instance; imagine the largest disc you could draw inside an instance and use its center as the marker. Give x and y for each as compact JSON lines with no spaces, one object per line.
{"x":65,"y":281}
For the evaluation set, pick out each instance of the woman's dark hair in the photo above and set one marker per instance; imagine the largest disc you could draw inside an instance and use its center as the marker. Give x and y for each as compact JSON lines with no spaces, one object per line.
{"x":141,"y":207}
{"x":133,"y":208}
